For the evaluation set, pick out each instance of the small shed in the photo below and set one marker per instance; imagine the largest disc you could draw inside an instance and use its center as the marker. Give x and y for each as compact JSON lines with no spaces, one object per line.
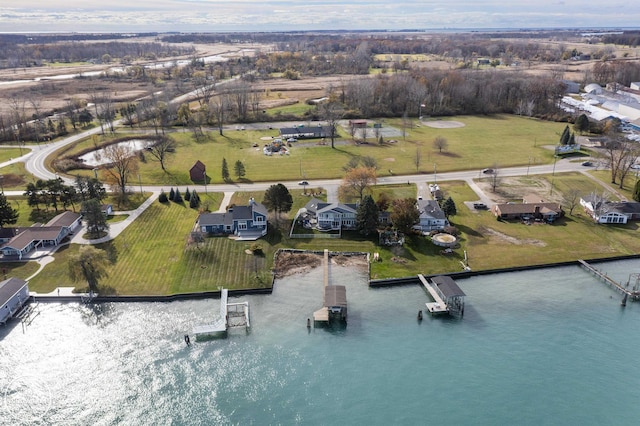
{"x":198,"y":173}
{"x":335,"y":300}
{"x":14,"y":293}
{"x":451,"y":293}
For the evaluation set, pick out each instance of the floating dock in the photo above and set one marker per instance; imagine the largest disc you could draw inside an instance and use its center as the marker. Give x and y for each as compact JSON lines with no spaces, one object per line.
{"x":231,"y":315}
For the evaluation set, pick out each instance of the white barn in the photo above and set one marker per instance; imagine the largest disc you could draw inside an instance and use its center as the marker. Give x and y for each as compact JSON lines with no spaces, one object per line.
{"x":14,"y":293}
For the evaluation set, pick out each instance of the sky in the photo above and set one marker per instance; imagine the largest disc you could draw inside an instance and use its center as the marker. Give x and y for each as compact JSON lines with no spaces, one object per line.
{"x":290,"y":15}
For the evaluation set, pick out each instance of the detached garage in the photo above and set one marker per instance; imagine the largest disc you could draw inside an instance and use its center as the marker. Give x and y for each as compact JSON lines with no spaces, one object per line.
{"x":14,"y":293}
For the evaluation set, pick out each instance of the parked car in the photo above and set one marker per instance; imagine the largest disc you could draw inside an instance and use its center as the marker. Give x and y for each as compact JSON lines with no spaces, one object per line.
{"x":480,"y":206}
{"x":587,"y":163}
{"x":303,"y":182}
{"x":488,"y":171}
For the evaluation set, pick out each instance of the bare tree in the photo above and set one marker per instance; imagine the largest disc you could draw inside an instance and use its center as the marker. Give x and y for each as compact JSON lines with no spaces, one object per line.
{"x":123,"y":164}
{"x":218,"y":107}
{"x":161,"y":149}
{"x":357,"y":180}
{"x":440,"y":143}
{"x":332,"y":112}
{"x":494,"y":179}
{"x":417,"y":157}
{"x":571,"y":199}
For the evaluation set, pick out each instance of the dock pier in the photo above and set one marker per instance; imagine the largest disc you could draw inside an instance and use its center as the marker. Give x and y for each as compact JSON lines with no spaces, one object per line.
{"x":334,"y":302}
{"x":237,"y":316}
{"x":437,"y":307}
{"x":634,"y":295}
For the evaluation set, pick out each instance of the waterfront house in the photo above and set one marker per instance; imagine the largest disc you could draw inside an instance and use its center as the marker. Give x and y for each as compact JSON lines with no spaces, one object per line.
{"x":530,"y":209}
{"x":432,"y":218}
{"x":602,"y":211}
{"x":245,"y":222}
{"x":49,"y":235}
{"x":14,"y":293}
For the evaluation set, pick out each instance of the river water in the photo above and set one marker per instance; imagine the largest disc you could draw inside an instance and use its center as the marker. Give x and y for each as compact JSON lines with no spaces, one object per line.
{"x":552,"y":346}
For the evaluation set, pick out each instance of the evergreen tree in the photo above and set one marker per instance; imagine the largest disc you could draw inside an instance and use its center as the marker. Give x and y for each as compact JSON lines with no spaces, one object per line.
{"x":177,"y":197}
{"x":449,"y":207}
{"x":239,"y":169}
{"x":367,"y":216}
{"x":163,"y":197}
{"x":8,"y":215}
{"x":193,"y":200}
{"x":225,"y":170}
{"x":187,"y":195}
{"x":278,"y":199}
{"x":172,"y":194}
{"x":566,"y":134}
{"x":636,"y":191}
{"x":94,"y":218}
{"x":194,"y":195}
{"x":572,"y":139}
{"x":582,"y":123}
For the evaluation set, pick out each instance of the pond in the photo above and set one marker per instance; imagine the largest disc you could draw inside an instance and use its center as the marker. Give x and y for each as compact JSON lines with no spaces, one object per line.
{"x":97,"y":157}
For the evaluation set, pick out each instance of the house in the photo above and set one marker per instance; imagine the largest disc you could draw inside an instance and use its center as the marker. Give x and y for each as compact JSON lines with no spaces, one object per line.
{"x":610,"y":212}
{"x":331,"y":216}
{"x":198,"y":173}
{"x":107,"y":209}
{"x":14,"y":293}
{"x":49,"y":235}
{"x":530,"y":209}
{"x":303,"y":132}
{"x":246,"y":222}
{"x":432,"y":218}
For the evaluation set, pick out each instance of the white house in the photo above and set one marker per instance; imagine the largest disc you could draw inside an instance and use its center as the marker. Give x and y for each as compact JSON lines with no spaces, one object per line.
{"x":432,"y":218}
{"x":610,"y":212}
{"x":331,"y":216}
{"x":14,"y":293}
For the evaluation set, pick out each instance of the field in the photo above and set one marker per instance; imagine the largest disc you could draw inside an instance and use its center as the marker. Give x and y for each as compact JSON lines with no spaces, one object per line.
{"x":500,"y":140}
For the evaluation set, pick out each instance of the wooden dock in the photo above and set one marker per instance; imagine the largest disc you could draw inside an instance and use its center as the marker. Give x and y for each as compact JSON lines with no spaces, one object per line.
{"x":438,"y":306}
{"x":634,"y":295}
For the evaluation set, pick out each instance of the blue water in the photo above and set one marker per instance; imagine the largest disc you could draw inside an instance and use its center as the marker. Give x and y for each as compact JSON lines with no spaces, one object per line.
{"x":543,"y":347}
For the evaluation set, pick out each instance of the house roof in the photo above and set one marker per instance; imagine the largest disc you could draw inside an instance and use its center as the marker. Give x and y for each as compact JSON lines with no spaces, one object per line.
{"x":430,"y":209}
{"x":8,"y":233}
{"x":335,"y":295}
{"x":447,"y":286}
{"x":259,"y":208}
{"x":625,"y":207}
{"x":242,"y":213}
{"x":528,"y":208}
{"x":9,"y":287}
{"x":208,"y":219}
{"x":336,"y":207}
{"x":65,"y":218}
{"x":25,"y":238}
{"x":199,"y":165}
{"x":312,"y":205}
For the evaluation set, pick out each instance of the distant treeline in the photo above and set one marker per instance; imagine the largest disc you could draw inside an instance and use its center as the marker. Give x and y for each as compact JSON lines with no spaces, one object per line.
{"x":14,"y":55}
{"x":627,"y":38}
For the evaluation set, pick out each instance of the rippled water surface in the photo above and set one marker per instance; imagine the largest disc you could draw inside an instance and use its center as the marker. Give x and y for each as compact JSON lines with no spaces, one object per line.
{"x":545,"y":347}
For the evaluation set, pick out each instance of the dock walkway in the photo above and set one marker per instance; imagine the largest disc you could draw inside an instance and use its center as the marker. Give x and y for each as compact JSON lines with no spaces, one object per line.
{"x":218,"y":326}
{"x":438,"y":306}
{"x":635,"y":295}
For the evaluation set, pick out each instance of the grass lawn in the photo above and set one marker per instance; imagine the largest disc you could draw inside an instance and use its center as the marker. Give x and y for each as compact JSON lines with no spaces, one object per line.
{"x":15,"y":177}
{"x":501,"y":140}
{"x":22,"y":270}
{"x":7,"y":154}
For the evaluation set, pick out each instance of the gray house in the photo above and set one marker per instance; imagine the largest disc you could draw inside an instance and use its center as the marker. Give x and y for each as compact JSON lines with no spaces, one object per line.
{"x":432,"y":218}
{"x":246,"y":222}
{"x":14,"y":293}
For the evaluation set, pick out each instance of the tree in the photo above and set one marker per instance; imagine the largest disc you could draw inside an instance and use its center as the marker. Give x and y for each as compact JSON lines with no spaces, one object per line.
{"x":571,"y":198}
{"x":636,"y":191}
{"x":581,"y":124}
{"x":367,"y":216}
{"x":278,"y":199}
{"x":163,"y":197}
{"x":357,"y":180}
{"x":449,"y":207}
{"x":172,"y":194}
{"x":417,"y":158}
{"x":8,"y":215}
{"x":405,"y":214}
{"x":94,"y":218}
{"x":123,"y":164}
{"x":187,"y":195}
{"x":566,"y":134}
{"x":239,"y":169}
{"x":383,"y":202}
{"x":194,"y":200}
{"x":440,"y":143}
{"x":88,"y":188}
{"x":89,"y":264}
{"x":161,"y":149}
{"x":225,"y":170}
{"x":331,"y":112}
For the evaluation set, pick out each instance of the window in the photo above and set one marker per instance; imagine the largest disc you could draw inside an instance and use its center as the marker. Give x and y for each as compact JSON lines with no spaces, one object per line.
{"x":259,"y":219}
{"x":242,"y":225}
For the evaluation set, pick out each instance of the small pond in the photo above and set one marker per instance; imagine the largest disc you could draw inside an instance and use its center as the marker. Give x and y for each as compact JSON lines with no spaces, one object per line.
{"x":97,"y":158}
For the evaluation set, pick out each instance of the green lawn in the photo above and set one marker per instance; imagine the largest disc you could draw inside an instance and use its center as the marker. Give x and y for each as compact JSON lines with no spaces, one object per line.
{"x":501,"y":140}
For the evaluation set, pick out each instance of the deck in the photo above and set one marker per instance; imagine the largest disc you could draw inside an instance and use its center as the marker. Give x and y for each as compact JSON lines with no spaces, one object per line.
{"x":437,"y":307}
{"x":635,"y":295}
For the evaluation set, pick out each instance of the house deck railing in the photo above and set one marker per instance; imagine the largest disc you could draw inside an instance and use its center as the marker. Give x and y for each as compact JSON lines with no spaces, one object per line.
{"x":314,"y":236}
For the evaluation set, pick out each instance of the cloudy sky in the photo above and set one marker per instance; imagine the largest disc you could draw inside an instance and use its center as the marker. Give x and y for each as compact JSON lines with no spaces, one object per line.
{"x":280,"y":15}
